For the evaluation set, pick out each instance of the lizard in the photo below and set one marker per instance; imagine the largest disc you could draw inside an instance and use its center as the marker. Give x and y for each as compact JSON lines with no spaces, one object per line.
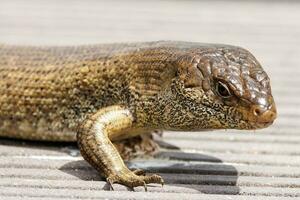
{"x":98,"y":95}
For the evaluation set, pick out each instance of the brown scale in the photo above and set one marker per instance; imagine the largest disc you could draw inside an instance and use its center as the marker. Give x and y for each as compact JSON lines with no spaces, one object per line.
{"x":122,"y":92}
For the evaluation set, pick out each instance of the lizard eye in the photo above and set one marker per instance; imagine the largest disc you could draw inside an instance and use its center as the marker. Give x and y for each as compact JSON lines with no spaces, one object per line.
{"x":222,"y":90}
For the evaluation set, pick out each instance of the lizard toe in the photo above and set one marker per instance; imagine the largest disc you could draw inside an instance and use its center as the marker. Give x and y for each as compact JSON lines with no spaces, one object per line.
{"x":134,"y":179}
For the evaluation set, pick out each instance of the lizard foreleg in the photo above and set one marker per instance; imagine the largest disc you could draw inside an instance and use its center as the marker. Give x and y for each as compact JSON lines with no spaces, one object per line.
{"x":94,"y":139}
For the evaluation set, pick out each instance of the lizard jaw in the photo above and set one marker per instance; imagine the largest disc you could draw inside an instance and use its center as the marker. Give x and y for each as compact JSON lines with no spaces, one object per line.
{"x":259,"y":125}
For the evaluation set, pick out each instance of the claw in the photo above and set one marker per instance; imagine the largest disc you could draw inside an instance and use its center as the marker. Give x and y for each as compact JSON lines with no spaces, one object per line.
{"x":131,"y":179}
{"x":110,"y":182}
{"x":145,"y":186}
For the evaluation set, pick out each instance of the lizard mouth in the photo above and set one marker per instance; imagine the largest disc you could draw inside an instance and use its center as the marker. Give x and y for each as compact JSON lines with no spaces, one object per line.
{"x":261,"y":125}
{"x":257,"y":125}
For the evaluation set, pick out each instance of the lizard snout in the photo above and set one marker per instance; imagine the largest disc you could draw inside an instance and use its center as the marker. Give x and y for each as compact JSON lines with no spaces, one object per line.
{"x":263,"y":114}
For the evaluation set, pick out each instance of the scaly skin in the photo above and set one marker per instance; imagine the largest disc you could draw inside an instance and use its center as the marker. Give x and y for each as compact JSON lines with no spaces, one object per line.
{"x":108,"y":93}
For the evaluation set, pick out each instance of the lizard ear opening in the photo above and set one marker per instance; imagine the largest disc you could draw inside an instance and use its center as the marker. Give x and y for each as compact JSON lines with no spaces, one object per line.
{"x":189,"y":72}
{"x":193,"y":78}
{"x":168,"y":75}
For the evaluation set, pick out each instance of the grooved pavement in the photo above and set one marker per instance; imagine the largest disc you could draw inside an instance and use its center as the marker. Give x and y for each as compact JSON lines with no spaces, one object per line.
{"x":214,"y":165}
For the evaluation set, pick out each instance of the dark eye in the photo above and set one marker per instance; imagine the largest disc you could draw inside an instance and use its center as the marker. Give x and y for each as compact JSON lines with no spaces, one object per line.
{"x":222,"y":90}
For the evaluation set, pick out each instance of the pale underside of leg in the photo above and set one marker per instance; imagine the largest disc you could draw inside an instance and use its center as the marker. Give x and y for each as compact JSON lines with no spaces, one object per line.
{"x":94,"y":139}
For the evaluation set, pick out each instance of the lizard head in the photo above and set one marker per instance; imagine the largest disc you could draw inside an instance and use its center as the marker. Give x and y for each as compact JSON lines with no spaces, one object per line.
{"x":221,"y":87}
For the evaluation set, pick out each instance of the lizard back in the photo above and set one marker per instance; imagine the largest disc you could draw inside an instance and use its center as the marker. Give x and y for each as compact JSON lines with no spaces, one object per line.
{"x":43,"y":93}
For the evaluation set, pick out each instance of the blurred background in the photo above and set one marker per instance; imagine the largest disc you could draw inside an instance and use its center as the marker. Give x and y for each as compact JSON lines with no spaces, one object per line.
{"x":263,"y":164}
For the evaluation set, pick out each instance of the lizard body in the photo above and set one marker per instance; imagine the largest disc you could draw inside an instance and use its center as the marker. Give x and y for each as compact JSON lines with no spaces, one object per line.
{"x":110,"y":92}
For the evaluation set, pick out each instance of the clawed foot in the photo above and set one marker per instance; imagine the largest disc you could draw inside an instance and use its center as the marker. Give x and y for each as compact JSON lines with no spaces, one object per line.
{"x":133,"y":179}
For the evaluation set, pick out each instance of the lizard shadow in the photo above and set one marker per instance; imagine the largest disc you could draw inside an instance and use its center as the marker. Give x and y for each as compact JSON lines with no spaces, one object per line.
{"x":193,"y":171}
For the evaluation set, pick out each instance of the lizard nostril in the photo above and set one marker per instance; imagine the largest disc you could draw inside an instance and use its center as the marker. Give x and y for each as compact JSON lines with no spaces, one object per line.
{"x":257,"y":112}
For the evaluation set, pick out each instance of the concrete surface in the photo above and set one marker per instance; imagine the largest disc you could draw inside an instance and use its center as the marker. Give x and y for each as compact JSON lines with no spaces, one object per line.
{"x":215,"y":165}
